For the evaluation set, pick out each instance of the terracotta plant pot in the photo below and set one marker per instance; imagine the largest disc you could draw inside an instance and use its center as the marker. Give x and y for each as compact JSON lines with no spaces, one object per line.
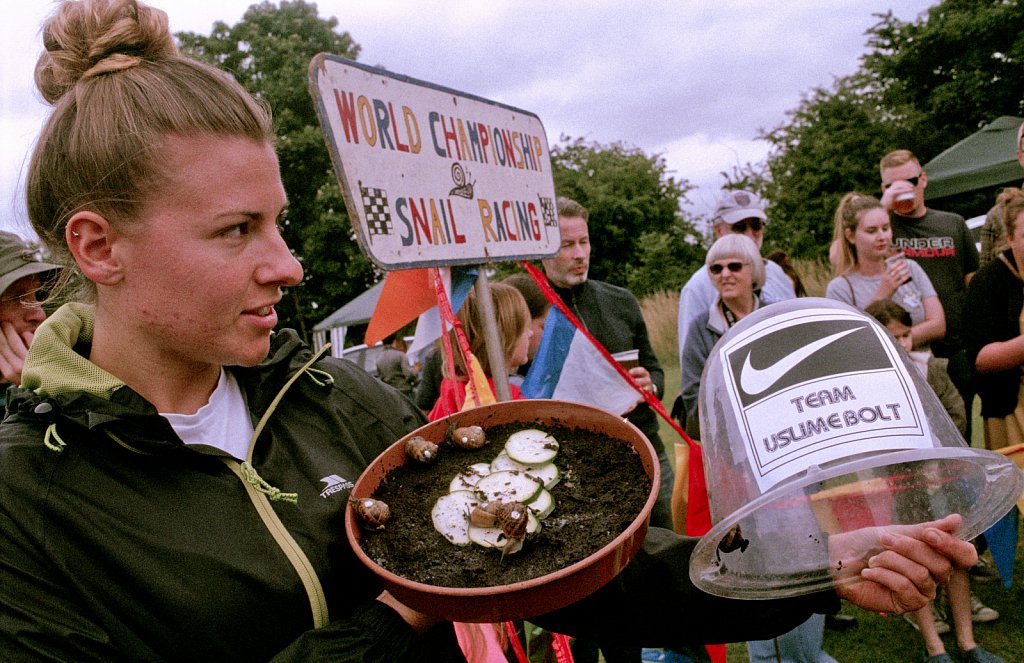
{"x":539,"y":595}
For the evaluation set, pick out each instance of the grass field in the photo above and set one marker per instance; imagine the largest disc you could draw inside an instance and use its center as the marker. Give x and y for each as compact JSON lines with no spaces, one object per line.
{"x":877,"y":638}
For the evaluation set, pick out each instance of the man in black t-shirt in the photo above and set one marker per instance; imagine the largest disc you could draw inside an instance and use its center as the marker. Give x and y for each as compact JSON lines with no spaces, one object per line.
{"x":942,"y":245}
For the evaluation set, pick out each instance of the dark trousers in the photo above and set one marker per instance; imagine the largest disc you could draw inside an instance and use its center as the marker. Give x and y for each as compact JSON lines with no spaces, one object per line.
{"x":961,"y":372}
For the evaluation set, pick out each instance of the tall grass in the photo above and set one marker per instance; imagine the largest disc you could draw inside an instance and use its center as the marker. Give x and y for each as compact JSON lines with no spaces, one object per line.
{"x":661,"y":313}
{"x":814,"y":274}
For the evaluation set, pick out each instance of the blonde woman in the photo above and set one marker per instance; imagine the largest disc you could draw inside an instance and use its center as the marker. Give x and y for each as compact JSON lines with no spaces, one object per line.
{"x":868,"y":270}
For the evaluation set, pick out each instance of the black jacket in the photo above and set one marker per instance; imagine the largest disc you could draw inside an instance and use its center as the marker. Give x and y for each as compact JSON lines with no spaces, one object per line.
{"x":992,"y":314}
{"x":121,"y":543}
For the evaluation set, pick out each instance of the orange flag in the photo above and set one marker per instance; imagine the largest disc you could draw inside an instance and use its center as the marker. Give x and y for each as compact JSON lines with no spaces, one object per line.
{"x":407,"y":293}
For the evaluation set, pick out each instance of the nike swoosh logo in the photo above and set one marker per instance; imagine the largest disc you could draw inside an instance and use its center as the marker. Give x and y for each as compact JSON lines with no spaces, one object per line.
{"x":754,"y":381}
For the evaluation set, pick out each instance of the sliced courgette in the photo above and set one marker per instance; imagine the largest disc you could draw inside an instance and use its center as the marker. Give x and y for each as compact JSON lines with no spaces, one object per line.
{"x":508,"y":486}
{"x":468,"y":478}
{"x":531,"y":447}
{"x":451,"y":515}
{"x":542,"y":505}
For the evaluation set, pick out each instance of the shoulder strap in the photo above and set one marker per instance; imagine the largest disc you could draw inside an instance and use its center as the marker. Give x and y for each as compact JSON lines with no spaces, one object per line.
{"x":853,"y":295}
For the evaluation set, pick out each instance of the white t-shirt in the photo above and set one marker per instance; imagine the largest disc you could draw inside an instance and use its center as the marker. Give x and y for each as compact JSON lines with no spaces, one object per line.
{"x":223,"y":423}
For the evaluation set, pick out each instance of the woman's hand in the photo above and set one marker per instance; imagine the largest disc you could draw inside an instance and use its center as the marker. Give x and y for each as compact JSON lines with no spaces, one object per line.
{"x":897,"y":568}
{"x":896,"y":274}
{"x":13,"y":350}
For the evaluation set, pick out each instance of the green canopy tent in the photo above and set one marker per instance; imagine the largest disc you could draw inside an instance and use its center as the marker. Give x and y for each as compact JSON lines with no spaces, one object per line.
{"x":356,"y":312}
{"x":986,"y":158}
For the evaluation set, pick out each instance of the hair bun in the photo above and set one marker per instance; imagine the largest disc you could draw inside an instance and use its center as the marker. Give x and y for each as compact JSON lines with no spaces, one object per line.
{"x":88,"y":38}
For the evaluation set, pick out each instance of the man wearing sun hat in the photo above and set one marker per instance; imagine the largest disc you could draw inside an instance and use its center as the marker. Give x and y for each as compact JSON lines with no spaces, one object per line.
{"x":21,"y":276}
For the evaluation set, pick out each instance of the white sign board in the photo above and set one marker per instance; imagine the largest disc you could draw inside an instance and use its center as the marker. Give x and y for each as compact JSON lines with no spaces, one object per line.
{"x":815,"y":385}
{"x":432,"y":176}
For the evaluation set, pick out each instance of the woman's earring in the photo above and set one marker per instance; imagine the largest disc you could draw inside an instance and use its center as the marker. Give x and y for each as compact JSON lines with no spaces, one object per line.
{"x":75,"y":234}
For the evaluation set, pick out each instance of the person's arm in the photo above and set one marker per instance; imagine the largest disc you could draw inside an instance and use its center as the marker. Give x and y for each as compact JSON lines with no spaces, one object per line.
{"x":41,"y":620}
{"x":933,"y":327}
{"x":694,"y":357}
{"x":694,"y":299}
{"x":653,"y":602}
{"x":968,"y":252}
{"x":986,"y":308}
{"x":383,"y":630}
{"x":1000,"y":356}
{"x":648,"y":360}
{"x":777,"y":285}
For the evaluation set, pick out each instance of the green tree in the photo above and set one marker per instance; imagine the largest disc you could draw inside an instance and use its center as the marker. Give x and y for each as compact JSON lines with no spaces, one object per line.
{"x":830,"y":145}
{"x":268,"y":52}
{"x":951,"y":71}
{"x":641,"y":239}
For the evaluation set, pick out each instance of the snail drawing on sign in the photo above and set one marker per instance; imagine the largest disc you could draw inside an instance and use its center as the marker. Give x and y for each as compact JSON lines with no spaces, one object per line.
{"x":463,"y":187}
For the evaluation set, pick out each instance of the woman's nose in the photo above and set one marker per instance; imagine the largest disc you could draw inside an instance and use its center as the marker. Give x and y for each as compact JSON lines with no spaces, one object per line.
{"x":281,"y":267}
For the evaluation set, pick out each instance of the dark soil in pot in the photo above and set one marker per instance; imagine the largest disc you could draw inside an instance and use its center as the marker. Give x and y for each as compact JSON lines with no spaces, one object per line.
{"x":603,"y":487}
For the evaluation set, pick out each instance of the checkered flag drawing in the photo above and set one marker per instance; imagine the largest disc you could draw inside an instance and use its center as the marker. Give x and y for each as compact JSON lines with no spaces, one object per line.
{"x":376,"y":210}
{"x":547,"y":207}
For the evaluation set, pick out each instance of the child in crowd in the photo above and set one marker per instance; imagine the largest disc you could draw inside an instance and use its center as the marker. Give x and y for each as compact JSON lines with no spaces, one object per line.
{"x":514,"y":331}
{"x":963,"y":606}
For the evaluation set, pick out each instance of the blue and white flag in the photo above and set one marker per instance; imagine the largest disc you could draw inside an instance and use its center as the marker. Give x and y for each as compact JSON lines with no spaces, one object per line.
{"x":568,"y":367}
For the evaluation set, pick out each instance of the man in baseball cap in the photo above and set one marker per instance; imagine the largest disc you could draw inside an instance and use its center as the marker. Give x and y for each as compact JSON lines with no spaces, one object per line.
{"x":739,"y":206}
{"x":21,"y":276}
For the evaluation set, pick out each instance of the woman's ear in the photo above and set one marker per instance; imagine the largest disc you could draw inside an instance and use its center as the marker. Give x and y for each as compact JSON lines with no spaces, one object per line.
{"x":90,"y":239}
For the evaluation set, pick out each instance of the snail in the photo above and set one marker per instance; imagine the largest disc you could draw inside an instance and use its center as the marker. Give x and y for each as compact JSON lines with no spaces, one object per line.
{"x":511,"y":517}
{"x":374,"y":514}
{"x":421,"y":449}
{"x":467,"y":437}
{"x":731,"y":541}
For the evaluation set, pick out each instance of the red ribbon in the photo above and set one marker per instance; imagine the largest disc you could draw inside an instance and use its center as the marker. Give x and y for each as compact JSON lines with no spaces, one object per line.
{"x":649,"y":398}
{"x":444,"y":307}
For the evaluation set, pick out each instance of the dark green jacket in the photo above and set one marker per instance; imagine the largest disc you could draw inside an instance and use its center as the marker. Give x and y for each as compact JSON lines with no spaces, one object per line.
{"x":119,"y":542}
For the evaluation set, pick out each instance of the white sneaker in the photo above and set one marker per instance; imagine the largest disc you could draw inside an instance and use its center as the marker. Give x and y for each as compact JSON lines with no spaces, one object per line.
{"x":981,"y":613}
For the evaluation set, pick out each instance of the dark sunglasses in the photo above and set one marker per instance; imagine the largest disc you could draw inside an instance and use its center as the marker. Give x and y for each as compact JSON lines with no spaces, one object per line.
{"x":753,"y":224}
{"x":718,"y":268}
{"x":913,"y":181}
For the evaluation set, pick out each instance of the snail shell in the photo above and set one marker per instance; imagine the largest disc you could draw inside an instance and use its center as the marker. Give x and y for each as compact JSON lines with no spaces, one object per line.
{"x":374,"y":514}
{"x":485,"y":514}
{"x":468,"y":437}
{"x":512,"y":518}
{"x":421,"y":449}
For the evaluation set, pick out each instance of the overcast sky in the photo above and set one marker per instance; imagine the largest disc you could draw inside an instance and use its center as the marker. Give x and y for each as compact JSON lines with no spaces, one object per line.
{"x":693,"y":80}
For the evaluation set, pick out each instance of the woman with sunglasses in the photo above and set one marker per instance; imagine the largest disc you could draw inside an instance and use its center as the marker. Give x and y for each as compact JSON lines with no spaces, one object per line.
{"x":736,"y":271}
{"x":868,"y":270}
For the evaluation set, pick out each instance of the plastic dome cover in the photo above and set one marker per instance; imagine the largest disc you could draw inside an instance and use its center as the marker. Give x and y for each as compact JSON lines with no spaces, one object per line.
{"x":814,"y":424}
